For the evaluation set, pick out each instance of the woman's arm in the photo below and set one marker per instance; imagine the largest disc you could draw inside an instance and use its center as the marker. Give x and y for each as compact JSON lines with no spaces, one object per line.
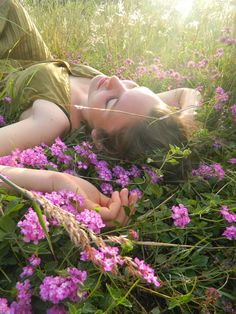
{"x":47,"y":181}
{"x":46,"y":123}
{"x":181,"y":97}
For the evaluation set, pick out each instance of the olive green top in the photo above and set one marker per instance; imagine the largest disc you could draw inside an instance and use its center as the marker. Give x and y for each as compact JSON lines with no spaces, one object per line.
{"x":45,"y":80}
{"x":27,"y":66}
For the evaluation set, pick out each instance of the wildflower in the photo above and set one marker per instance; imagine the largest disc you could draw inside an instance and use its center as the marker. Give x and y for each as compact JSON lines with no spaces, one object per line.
{"x":6,"y":100}
{"x":4,"y":308}
{"x":33,"y":157}
{"x":209,"y":171}
{"x":2,"y":120}
{"x":106,"y":188}
{"x":155,"y":178}
{"x":212,"y":295}
{"x":31,"y":228}
{"x":106,"y":257}
{"x":221,"y":98}
{"x":180,"y":215}
{"x":227,"y":215}
{"x":27,"y":271}
{"x":129,"y":61}
{"x":191,"y":64}
{"x":23,"y":304}
{"x":202,"y":64}
{"x":91,"y":219}
{"x":138,"y":192}
{"x":219,"y":53}
{"x":103,"y":172}
{"x":58,"y":288}
{"x":232,"y":161}
{"x":57,"y":309}
{"x":146,"y":272}
{"x":230,"y":233}
{"x":133,"y":234}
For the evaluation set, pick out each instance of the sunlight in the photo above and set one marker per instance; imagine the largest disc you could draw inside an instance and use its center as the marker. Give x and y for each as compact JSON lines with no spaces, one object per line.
{"x":184,"y":7}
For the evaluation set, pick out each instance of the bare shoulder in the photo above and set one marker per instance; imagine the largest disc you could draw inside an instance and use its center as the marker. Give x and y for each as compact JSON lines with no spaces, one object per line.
{"x":53,"y":114}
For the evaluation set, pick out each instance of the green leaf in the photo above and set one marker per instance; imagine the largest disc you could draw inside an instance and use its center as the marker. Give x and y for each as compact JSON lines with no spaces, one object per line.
{"x":114,"y":293}
{"x":13,"y":206}
{"x":179,"y":300}
{"x":7,"y":224}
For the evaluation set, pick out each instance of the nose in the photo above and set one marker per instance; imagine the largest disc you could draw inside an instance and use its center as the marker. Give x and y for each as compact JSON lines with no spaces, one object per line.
{"x":115,"y":83}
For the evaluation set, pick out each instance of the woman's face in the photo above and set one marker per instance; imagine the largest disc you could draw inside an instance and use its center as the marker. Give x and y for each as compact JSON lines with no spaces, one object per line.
{"x":113,"y":96}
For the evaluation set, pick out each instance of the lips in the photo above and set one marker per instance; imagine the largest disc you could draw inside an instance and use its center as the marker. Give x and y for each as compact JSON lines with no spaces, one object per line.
{"x":102,"y":80}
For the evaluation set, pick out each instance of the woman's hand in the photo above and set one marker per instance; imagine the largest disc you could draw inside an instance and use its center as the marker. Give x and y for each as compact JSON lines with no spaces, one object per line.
{"x":111,"y":208}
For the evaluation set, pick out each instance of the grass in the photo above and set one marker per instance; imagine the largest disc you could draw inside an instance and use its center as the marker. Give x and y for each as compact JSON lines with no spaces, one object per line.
{"x":160,"y":43}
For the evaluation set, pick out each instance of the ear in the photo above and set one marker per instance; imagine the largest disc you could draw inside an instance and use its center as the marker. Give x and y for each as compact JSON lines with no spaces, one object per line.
{"x":94,"y":135}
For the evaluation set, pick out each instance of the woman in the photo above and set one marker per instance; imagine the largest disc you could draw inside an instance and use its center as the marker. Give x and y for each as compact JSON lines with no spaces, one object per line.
{"x":51,"y":97}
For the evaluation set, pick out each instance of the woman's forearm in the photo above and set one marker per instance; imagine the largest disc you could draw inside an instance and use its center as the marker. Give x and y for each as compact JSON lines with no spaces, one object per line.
{"x":32,"y":179}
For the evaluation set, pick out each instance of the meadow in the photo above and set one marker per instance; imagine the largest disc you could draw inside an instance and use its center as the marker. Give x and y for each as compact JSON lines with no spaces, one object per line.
{"x":178,"y":253}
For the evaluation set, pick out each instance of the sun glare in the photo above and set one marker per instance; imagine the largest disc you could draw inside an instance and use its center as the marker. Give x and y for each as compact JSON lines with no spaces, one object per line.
{"x":184,"y":7}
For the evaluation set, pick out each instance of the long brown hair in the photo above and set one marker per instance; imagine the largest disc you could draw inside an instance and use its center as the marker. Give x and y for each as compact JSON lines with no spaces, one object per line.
{"x":147,"y":136}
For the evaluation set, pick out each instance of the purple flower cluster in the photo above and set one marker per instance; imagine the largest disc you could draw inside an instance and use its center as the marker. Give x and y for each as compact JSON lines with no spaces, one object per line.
{"x":31,"y":228}
{"x":29,"y":269}
{"x":232,"y":161}
{"x":57,"y":288}
{"x":58,"y":150}
{"x":91,"y":219}
{"x":155,"y":178}
{"x":233,"y":112}
{"x":2,"y":121}
{"x":103,"y":171}
{"x":209,"y":171}
{"x":107,"y":257}
{"x":106,"y":188}
{"x":227,"y":215}
{"x":23,"y":303}
{"x":57,"y":309}
{"x":230,"y":232}
{"x":4,"y":308}
{"x":6,"y":100}
{"x":146,"y":272}
{"x":180,"y":216}
{"x":221,"y":98}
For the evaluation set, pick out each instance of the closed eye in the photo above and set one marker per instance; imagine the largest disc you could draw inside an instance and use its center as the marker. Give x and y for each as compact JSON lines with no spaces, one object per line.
{"x":111,"y":103}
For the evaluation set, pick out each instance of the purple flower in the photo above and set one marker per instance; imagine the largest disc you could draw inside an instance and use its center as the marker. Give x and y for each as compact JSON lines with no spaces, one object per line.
{"x":138,"y":192}
{"x":31,"y":228}
{"x":6,"y":100}
{"x":106,"y":257}
{"x":219,"y":53}
{"x":180,"y":216}
{"x":57,"y":309}
{"x":106,"y":188}
{"x":209,"y":171}
{"x":27,"y":271}
{"x":230,"y":233}
{"x":23,"y":304}
{"x":58,"y":288}
{"x":2,"y":120}
{"x":4,"y":308}
{"x":34,"y":261}
{"x":153,"y":175}
{"x":146,"y":272}
{"x":91,"y":219}
{"x":232,"y":161}
{"x":233,"y":112}
{"x":227,"y":215}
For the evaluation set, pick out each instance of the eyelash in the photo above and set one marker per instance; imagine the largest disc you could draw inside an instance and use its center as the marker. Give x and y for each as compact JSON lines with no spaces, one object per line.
{"x":109,"y":100}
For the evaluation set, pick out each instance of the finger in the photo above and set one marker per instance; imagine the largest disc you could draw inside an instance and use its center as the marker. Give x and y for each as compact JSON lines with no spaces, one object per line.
{"x":124,"y":196}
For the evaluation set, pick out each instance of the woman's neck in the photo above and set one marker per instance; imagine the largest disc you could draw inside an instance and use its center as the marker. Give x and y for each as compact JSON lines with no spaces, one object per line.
{"x":79,"y":88}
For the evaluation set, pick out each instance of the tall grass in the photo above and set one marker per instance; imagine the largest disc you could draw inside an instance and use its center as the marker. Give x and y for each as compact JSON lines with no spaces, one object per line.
{"x":151,"y":42}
